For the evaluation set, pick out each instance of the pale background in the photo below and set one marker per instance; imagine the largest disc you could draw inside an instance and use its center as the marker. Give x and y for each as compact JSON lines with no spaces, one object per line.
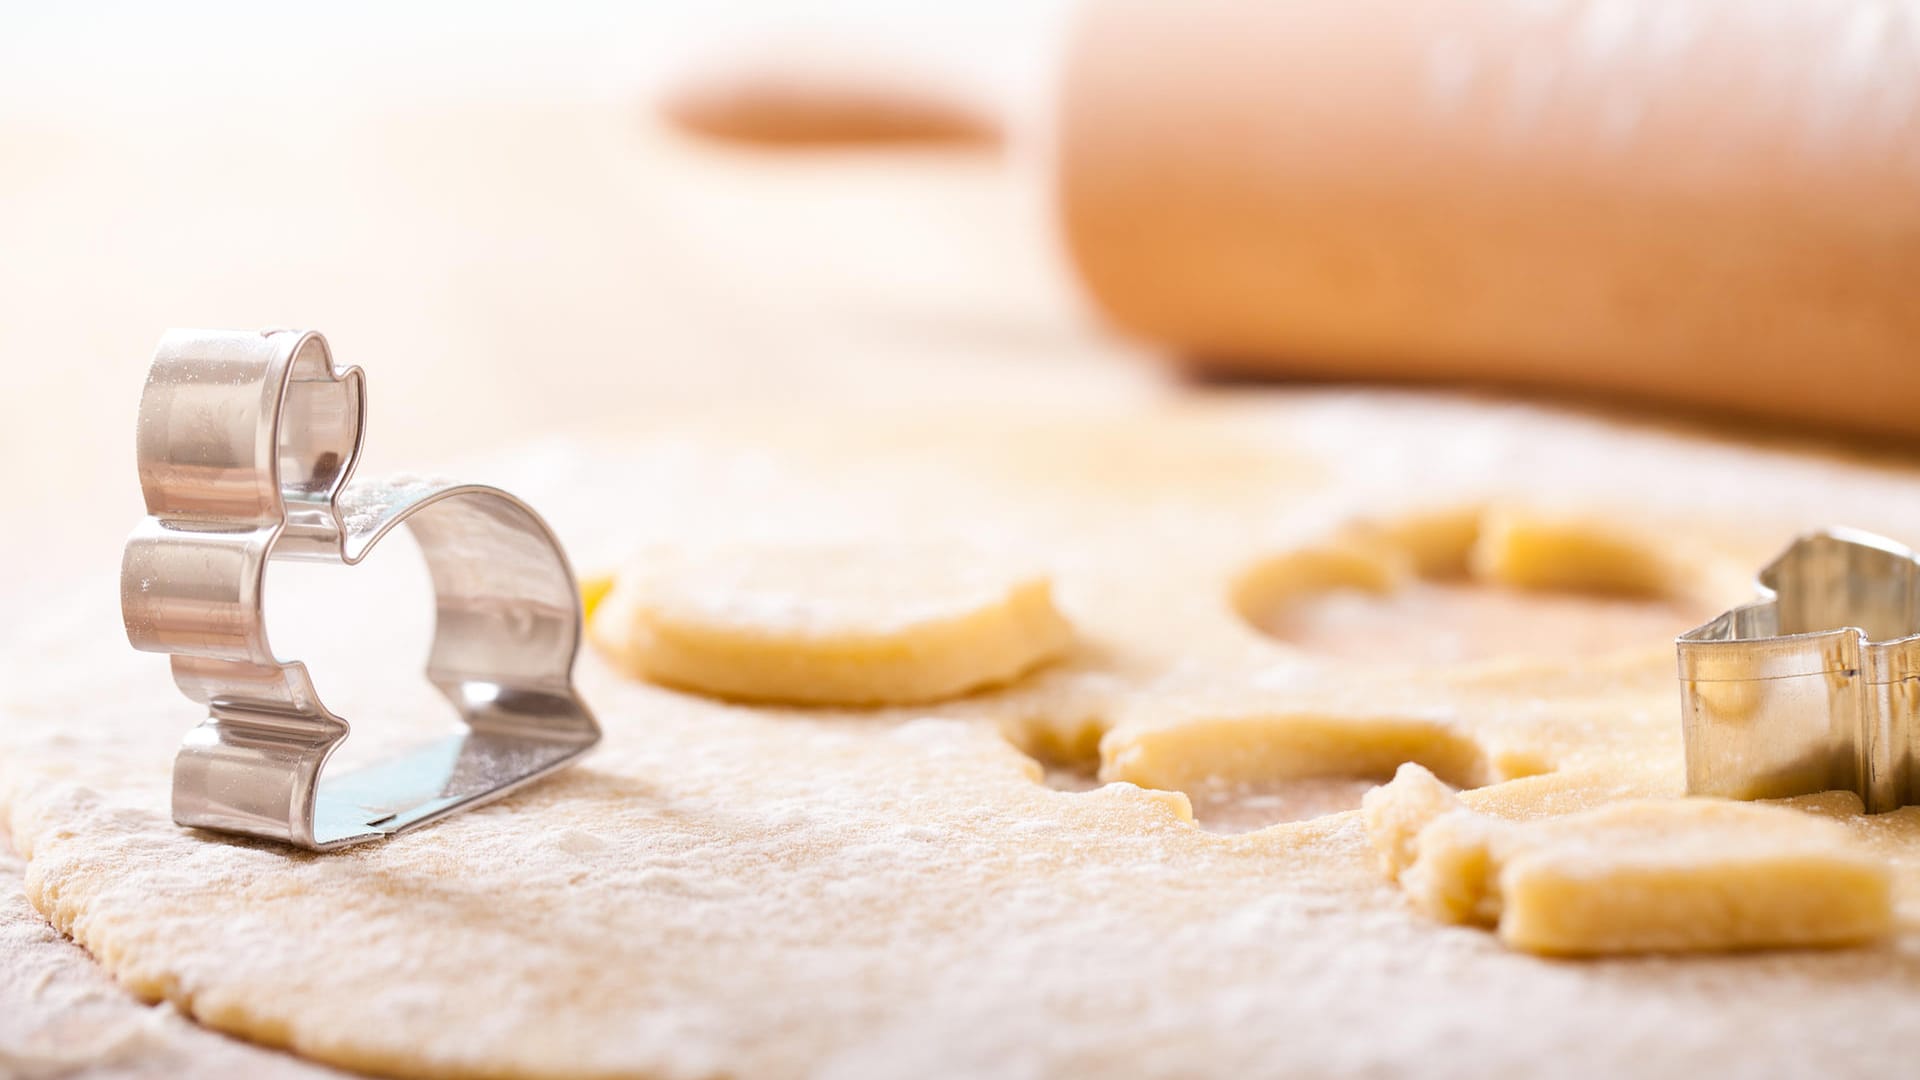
{"x":477,"y":205}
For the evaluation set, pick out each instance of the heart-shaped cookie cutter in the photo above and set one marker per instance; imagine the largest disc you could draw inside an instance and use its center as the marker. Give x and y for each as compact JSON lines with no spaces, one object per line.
{"x":1816,"y":685}
{"x":247,"y":443}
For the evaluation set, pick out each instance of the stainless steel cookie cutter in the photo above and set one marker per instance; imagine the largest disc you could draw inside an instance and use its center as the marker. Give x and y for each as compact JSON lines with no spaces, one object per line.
{"x":247,"y":441}
{"x":1816,"y":685}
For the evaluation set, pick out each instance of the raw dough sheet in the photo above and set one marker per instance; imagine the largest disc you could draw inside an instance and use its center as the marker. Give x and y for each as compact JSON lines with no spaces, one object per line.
{"x":741,"y":890}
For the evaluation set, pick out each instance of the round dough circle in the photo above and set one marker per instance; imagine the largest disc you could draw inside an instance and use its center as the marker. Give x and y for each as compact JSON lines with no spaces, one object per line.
{"x":830,"y":625}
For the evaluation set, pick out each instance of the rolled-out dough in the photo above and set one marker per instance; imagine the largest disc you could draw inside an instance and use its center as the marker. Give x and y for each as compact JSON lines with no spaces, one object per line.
{"x":761,"y":891}
{"x":62,"y":1018}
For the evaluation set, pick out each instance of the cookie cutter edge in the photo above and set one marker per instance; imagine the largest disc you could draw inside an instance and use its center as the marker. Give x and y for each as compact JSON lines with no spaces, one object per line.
{"x":247,"y":443}
{"x":1815,"y":685}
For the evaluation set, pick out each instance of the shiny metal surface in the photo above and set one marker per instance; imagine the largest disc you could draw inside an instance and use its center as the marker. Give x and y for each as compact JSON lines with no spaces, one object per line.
{"x":247,"y":442}
{"x":1816,"y":685}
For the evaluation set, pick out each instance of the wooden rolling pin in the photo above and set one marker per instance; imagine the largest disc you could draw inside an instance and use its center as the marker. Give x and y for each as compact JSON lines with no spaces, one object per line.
{"x":1713,"y":203}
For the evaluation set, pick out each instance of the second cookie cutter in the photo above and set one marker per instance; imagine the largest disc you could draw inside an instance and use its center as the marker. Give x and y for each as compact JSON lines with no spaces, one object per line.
{"x":247,"y":441}
{"x":1816,"y":685}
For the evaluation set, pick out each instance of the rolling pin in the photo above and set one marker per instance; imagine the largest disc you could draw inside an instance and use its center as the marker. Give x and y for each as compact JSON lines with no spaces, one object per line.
{"x":1708,"y":203}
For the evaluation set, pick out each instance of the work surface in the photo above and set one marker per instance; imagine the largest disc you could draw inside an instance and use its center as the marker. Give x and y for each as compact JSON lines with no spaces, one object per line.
{"x":542,"y":277}
{"x":503,"y":275}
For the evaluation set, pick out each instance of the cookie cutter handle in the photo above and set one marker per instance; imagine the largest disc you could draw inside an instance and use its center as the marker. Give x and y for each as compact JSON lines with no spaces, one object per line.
{"x":247,"y":443}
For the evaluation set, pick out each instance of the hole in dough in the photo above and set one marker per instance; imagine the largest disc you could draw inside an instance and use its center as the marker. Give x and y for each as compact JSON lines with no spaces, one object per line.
{"x":1238,"y":808}
{"x":1233,"y":807}
{"x":1066,"y":753}
{"x":1466,"y":586}
{"x":1217,"y":807}
{"x":1069,"y":776}
{"x":1449,"y":623}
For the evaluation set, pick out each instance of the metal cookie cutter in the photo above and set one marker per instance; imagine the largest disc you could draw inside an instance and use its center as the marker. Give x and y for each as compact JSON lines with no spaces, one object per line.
{"x":246,"y":443}
{"x":1816,"y":685}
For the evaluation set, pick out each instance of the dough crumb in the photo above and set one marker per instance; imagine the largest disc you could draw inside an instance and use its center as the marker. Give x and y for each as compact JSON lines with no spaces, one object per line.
{"x":1680,"y":875}
{"x":1395,"y":813}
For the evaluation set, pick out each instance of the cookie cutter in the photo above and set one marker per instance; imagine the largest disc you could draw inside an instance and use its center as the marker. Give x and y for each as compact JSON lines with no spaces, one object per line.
{"x":1815,"y":686}
{"x":247,"y":441}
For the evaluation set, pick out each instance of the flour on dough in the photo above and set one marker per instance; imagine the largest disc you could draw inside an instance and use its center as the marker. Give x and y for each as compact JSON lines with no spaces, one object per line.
{"x":61,"y":1018}
{"x":772,"y":891}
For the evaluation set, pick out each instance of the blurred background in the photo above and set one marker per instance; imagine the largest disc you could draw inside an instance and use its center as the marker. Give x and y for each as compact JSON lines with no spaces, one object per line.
{"x":482,"y":206}
{"x":571,"y":218}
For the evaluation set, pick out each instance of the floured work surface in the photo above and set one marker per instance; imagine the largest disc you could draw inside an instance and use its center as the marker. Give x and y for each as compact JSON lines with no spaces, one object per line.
{"x":60,"y":1016}
{"x":759,"y":890}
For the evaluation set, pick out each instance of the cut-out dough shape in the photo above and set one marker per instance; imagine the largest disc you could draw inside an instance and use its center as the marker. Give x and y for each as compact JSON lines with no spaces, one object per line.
{"x":830,"y":625}
{"x":1251,"y":748}
{"x":1675,"y":875}
{"x":1364,"y":711}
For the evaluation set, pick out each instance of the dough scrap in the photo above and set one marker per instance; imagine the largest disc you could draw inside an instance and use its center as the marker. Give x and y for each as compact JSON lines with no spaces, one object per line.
{"x":1253,"y":747}
{"x":1465,"y":584}
{"x":1639,"y":876}
{"x":829,"y":625}
{"x":1534,"y":551}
